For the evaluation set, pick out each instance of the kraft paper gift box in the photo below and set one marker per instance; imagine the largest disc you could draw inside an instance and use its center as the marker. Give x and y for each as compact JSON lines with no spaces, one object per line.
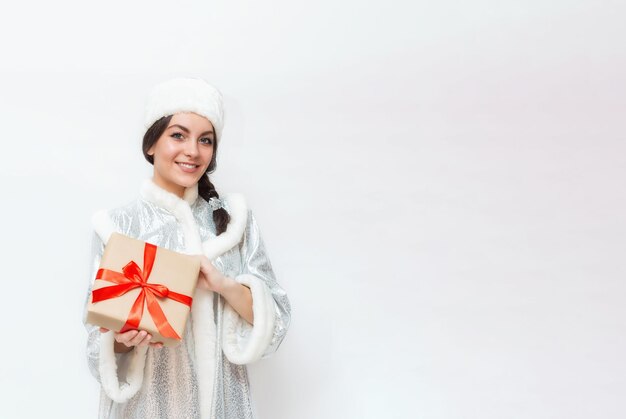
{"x":142,"y":286}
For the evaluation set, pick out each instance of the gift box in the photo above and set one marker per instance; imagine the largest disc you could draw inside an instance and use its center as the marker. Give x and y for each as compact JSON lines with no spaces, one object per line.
{"x":142,"y":286}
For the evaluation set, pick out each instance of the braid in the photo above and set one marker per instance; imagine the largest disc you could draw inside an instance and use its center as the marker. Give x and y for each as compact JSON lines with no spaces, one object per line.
{"x":207,"y":191}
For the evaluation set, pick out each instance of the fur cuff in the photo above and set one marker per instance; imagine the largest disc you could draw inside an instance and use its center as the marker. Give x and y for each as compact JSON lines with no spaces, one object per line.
{"x":120,"y":392}
{"x":241,"y":342}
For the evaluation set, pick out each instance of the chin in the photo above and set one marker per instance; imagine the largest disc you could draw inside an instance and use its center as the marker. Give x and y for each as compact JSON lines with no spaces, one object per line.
{"x":188,"y":182}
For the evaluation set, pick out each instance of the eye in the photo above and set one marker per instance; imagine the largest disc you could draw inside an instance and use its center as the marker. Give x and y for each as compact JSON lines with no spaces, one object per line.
{"x":175,"y":134}
{"x":206,"y":140}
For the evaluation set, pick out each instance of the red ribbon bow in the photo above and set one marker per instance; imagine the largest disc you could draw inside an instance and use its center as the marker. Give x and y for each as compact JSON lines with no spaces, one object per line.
{"x":133,"y":277}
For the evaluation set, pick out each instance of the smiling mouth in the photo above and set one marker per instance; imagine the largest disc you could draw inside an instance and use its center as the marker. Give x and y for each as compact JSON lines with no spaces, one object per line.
{"x":187,"y":165}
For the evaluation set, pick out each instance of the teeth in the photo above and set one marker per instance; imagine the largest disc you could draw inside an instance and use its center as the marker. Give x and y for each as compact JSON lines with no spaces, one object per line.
{"x":191,"y":166}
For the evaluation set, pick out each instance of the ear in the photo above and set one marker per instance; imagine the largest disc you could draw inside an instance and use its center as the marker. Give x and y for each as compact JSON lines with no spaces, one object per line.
{"x":150,"y":151}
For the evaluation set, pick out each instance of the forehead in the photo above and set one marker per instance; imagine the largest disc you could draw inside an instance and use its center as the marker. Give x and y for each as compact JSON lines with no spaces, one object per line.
{"x":191,"y":121}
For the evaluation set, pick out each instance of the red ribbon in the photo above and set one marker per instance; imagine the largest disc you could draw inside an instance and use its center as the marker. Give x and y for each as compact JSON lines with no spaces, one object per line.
{"x":133,"y":277}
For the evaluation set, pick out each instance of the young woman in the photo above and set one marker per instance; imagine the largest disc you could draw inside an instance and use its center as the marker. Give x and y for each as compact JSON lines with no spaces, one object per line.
{"x":239,"y":313}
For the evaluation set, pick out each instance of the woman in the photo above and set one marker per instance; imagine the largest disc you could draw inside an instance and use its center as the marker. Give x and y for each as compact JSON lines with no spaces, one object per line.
{"x":239,"y":314}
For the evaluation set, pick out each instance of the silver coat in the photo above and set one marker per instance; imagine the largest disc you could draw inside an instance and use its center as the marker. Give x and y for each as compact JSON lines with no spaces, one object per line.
{"x":195,"y":379}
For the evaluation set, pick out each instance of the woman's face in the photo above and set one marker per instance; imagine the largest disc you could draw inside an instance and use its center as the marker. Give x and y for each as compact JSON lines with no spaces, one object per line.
{"x":183,"y":152}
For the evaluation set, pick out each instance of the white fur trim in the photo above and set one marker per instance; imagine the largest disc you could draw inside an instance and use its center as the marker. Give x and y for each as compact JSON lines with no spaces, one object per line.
{"x":255,"y":340}
{"x":234,"y":231}
{"x":107,"y":366}
{"x":203,"y":327}
{"x":203,"y":323}
{"x":103,"y":225}
{"x":202,"y":318}
{"x":185,"y":94}
{"x":166,"y":199}
{"x":179,"y":207}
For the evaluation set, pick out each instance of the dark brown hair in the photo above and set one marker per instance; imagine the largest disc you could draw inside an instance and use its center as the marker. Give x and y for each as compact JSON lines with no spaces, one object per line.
{"x":205,"y":188}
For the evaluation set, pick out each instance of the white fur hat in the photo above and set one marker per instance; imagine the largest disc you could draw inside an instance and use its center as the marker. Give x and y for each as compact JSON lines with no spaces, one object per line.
{"x":185,"y":94}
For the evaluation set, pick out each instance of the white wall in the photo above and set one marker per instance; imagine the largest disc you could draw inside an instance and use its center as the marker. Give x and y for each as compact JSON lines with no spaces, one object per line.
{"x":440,"y":186}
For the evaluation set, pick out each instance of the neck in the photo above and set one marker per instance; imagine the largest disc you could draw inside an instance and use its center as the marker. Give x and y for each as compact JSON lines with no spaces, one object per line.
{"x":154,"y":192}
{"x":177,"y":190}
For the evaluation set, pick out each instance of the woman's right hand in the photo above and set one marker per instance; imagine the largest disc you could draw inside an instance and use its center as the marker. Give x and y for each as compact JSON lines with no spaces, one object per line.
{"x":132,"y":338}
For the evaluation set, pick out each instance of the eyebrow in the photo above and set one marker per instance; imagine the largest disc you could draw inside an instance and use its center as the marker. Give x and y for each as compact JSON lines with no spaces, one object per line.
{"x":187,"y":131}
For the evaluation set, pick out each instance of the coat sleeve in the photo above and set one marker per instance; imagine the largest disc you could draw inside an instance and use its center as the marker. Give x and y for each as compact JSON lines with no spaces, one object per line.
{"x":244,"y":343}
{"x":120,"y":375}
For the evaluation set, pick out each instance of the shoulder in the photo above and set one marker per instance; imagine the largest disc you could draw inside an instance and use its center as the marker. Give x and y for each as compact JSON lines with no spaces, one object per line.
{"x":108,"y":220}
{"x":234,"y":203}
{"x":236,"y":206}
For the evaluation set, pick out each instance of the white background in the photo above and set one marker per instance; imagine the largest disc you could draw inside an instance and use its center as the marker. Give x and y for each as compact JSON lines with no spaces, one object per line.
{"x":440,"y":185}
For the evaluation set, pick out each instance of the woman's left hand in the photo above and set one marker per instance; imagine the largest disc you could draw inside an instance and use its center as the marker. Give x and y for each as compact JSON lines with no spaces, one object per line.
{"x":237,"y":295}
{"x":210,"y":277}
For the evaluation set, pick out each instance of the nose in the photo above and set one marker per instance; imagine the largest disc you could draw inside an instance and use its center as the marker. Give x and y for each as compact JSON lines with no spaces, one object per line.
{"x":191,"y":148}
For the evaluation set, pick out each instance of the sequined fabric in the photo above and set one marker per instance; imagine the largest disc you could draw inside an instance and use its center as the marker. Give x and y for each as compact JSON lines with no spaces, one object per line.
{"x":170,"y":386}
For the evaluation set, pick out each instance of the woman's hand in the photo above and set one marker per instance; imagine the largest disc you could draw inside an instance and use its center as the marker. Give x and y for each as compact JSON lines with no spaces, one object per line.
{"x":237,"y":295}
{"x":210,"y":277}
{"x":132,"y":338}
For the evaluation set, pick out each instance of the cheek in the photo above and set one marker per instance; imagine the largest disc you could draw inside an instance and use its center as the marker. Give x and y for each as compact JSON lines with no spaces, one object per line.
{"x":207,"y":155}
{"x":165,"y":152}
